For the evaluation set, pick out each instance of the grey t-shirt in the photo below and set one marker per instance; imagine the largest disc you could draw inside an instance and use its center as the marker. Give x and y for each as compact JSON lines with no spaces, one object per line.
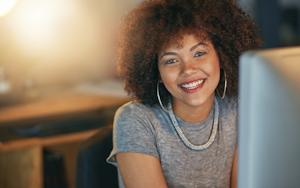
{"x":144,"y":129}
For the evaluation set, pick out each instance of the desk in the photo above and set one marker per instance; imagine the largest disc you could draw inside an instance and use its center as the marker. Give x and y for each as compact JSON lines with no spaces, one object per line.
{"x":21,"y":160}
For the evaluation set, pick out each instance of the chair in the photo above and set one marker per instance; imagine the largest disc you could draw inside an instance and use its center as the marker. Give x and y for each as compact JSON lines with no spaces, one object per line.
{"x":92,"y":169}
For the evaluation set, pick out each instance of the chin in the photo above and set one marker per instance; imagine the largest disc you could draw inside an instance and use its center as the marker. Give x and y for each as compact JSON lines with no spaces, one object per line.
{"x":195,"y":103}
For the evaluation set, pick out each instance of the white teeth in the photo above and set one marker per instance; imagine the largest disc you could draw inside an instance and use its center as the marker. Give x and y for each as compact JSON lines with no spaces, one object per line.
{"x":192,"y":85}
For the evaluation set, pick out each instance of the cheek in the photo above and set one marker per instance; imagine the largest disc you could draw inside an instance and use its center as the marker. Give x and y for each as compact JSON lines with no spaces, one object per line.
{"x":168,"y":76}
{"x":169,"y":79}
{"x":215,"y":70}
{"x":216,"y":62}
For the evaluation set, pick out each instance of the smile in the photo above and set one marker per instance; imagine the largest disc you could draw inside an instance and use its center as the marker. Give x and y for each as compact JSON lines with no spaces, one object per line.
{"x":193,"y":86}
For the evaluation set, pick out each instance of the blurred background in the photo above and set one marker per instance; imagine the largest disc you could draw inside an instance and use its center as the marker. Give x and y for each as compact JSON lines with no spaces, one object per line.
{"x":53,"y":43}
{"x":56,"y":59}
{"x":278,"y":20}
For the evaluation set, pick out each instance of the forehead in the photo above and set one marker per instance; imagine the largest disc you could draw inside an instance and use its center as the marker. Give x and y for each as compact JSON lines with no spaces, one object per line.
{"x":177,"y":42}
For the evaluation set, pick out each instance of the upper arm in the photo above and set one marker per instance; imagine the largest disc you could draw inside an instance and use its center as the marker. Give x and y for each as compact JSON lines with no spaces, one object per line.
{"x":133,"y":132}
{"x":140,"y":170}
{"x":135,"y":148}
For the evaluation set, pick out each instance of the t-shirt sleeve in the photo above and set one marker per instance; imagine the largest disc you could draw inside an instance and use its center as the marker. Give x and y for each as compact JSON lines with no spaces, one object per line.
{"x":133,"y":132}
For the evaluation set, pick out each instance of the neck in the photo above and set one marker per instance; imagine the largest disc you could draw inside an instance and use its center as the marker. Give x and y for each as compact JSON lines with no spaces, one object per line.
{"x":193,"y":114}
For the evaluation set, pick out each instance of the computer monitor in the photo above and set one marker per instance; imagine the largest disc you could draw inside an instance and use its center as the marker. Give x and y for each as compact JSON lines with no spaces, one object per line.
{"x":269,"y":119}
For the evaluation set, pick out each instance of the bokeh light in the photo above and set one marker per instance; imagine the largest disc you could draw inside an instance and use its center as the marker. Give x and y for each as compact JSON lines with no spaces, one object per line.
{"x":6,"y":6}
{"x":56,"y":42}
{"x":35,"y":23}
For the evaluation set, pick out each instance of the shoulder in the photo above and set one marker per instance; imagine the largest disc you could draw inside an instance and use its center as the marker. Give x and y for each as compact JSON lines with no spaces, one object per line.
{"x":228,"y":106}
{"x":134,"y":130}
{"x":135,"y":112}
{"x":134,"y":108}
{"x":229,"y":120}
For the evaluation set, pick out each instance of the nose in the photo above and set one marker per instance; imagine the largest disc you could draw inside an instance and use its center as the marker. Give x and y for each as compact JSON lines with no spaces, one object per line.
{"x":188,"y":67}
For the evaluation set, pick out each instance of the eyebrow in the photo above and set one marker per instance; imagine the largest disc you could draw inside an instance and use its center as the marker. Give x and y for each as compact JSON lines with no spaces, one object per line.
{"x":192,"y":48}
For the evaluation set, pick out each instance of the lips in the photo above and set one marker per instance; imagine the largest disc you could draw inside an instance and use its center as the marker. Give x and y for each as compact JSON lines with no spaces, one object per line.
{"x":192,"y":86}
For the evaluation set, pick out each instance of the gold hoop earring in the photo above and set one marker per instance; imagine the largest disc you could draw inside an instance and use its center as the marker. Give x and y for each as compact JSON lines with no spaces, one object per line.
{"x":225,"y":87}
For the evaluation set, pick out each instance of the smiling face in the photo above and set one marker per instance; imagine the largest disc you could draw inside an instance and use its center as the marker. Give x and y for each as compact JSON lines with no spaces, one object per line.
{"x":190,"y":73}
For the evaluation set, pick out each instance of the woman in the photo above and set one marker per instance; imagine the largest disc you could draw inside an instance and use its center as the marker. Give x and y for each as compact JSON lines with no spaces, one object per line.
{"x":179,"y":58}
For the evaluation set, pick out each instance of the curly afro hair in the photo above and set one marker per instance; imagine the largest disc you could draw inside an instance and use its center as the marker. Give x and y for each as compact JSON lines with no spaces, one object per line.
{"x":153,"y":24}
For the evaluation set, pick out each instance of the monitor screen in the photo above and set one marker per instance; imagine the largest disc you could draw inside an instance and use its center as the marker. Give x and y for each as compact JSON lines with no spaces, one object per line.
{"x":269,"y":119}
